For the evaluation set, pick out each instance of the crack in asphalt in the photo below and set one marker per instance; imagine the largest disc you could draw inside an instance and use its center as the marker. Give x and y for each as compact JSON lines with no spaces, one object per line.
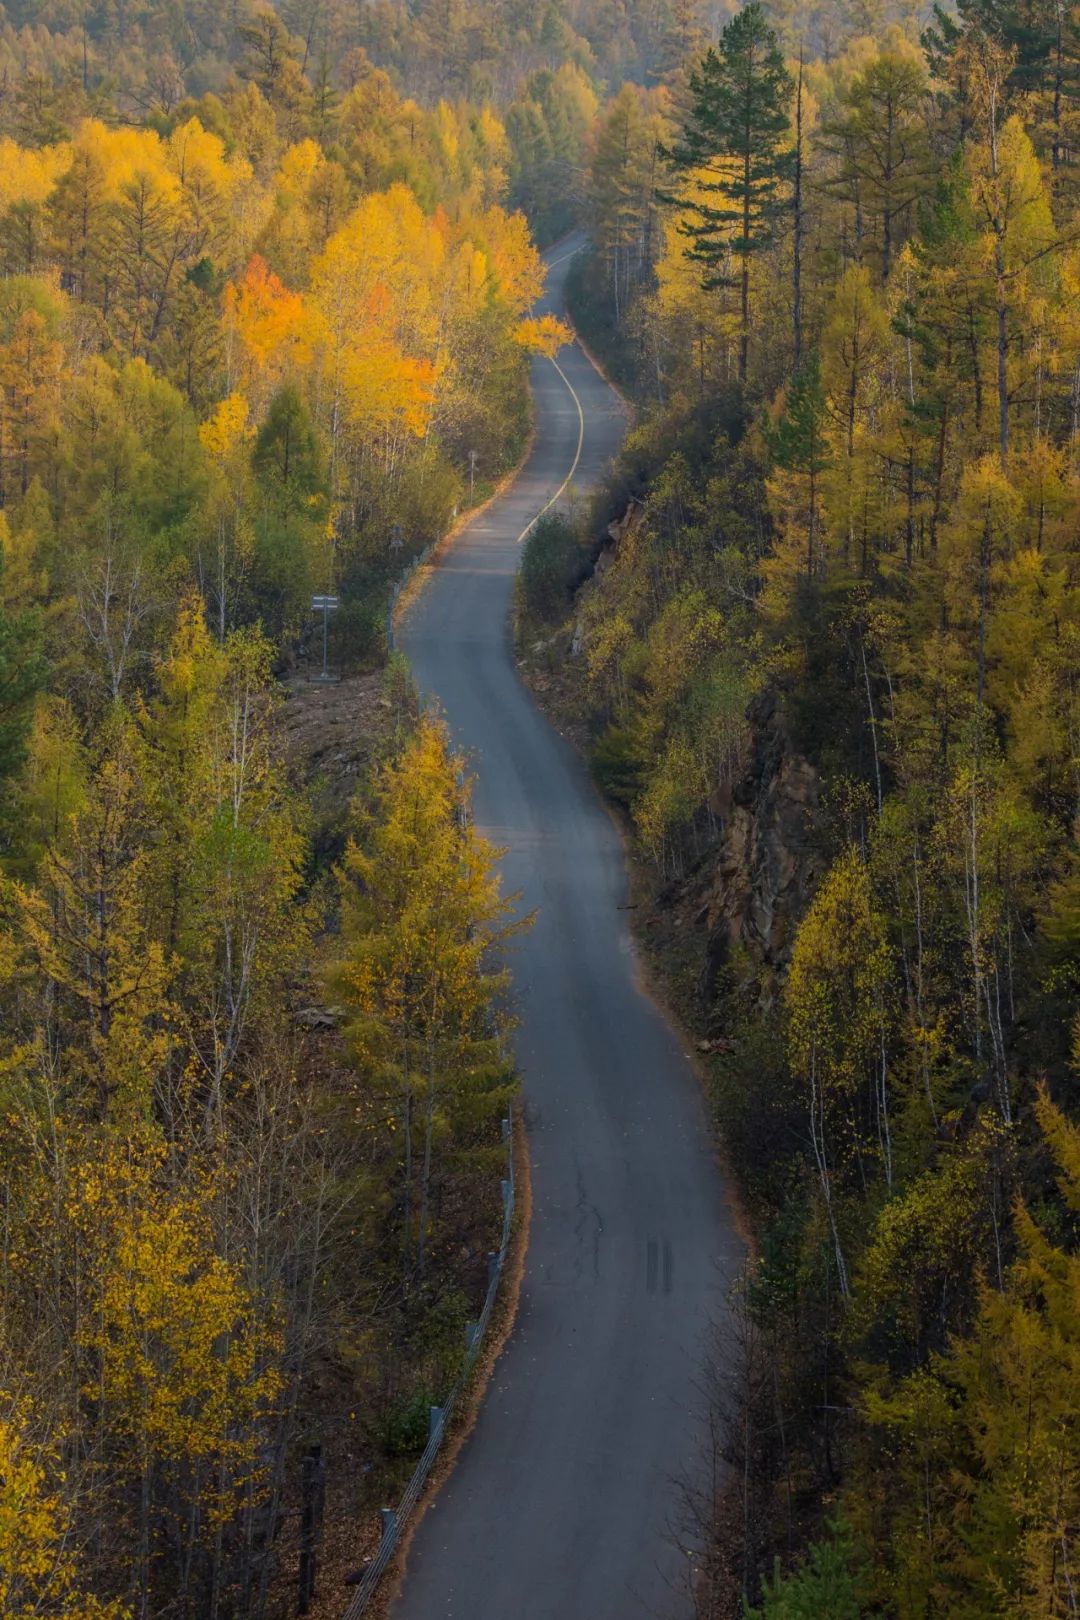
{"x":586,"y":1211}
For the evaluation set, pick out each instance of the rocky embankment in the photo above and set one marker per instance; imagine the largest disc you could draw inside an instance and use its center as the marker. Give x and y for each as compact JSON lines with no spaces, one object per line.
{"x":751,"y":886}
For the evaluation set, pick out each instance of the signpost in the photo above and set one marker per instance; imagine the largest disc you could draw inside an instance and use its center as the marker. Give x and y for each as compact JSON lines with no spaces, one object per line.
{"x":324,"y":605}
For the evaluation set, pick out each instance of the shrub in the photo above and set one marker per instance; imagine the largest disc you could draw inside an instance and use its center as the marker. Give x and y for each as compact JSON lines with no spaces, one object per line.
{"x":552,"y":567}
{"x":824,"y":1588}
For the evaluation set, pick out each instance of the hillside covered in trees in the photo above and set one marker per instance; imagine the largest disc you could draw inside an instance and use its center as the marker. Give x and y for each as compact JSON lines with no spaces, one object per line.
{"x":827,"y":661}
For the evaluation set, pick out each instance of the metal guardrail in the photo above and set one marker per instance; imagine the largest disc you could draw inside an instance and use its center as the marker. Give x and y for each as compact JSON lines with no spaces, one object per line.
{"x":395,"y":1519}
{"x":399,"y":585}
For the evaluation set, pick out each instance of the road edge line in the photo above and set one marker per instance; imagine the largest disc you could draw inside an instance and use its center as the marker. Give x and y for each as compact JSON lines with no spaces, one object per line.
{"x":561,"y":491}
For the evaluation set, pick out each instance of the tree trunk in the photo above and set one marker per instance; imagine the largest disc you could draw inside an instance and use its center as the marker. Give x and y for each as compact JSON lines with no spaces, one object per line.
{"x":425,"y":1176}
{"x":796,"y":258}
{"x":1002,"y":355}
{"x":744,"y":301}
{"x":939,"y":473}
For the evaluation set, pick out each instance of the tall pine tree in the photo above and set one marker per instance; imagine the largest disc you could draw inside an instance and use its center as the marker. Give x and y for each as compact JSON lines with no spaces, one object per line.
{"x":734,"y":146}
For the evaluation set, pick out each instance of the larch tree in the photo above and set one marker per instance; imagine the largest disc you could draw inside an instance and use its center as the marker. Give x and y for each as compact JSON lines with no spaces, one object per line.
{"x":422,"y":919}
{"x":623,"y":176}
{"x":995,"y":1488}
{"x":836,"y":998}
{"x":881,"y":145}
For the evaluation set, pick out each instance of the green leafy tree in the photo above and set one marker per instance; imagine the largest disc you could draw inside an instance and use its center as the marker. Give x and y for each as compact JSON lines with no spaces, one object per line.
{"x":552,"y":563}
{"x":289,"y":529}
{"x":287,"y":457}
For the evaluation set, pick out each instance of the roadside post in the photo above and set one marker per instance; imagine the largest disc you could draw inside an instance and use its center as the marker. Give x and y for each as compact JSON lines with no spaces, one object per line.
{"x":324,"y":605}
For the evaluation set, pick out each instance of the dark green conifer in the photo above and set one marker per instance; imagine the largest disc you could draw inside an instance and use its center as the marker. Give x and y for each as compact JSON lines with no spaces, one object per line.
{"x":735,"y":135}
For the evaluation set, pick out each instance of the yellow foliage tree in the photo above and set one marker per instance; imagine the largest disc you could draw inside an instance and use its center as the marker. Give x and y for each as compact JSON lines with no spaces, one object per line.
{"x":38,"y":1565}
{"x":422,"y":914}
{"x":545,"y":335}
{"x":87,"y":924}
{"x":837,"y":1023}
{"x":181,"y":1368}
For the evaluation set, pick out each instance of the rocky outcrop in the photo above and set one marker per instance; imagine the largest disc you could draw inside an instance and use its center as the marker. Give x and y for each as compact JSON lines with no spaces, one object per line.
{"x":741,"y":904}
{"x":767,"y":865}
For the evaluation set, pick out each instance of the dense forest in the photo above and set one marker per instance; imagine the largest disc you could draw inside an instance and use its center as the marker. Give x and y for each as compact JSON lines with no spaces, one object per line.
{"x":265,"y":282}
{"x":827,"y":660}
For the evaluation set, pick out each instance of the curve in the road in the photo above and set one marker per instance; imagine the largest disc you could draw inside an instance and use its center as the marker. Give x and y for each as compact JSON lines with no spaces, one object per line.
{"x":563,"y":1501}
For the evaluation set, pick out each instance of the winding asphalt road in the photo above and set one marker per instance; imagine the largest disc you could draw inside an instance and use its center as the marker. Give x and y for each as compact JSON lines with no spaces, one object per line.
{"x":562,"y":1502}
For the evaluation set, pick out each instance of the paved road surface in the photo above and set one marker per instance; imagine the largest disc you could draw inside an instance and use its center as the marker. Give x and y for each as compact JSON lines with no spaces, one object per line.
{"x":560,"y":1504}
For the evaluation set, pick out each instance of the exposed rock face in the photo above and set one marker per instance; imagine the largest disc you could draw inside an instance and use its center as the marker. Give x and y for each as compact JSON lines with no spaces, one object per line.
{"x":767,"y":867}
{"x":749,"y":890}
